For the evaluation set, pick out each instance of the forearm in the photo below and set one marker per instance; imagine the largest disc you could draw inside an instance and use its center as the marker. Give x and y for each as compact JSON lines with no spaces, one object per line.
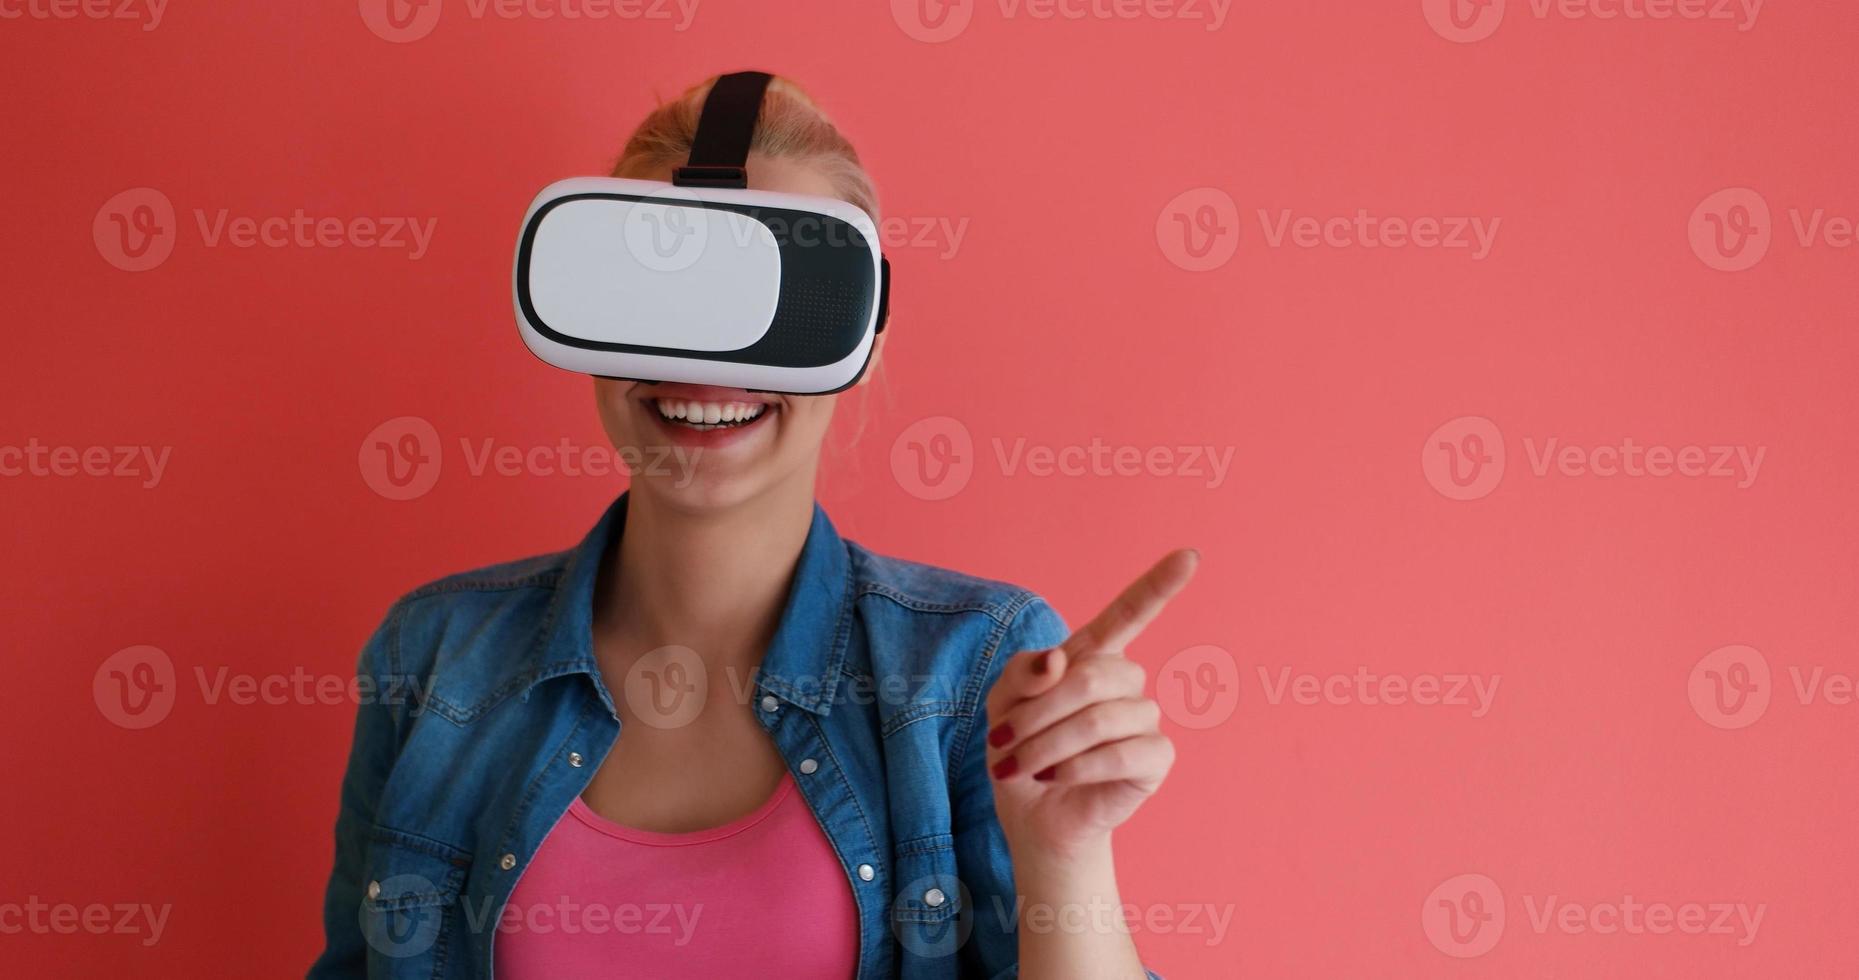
{"x":1071,"y":919}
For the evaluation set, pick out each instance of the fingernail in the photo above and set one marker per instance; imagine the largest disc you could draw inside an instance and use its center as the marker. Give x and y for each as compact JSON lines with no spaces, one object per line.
{"x":1042,"y":663}
{"x":1196,"y":552}
{"x":1001,"y":735}
{"x":1006,"y":767}
{"x":1047,"y":774}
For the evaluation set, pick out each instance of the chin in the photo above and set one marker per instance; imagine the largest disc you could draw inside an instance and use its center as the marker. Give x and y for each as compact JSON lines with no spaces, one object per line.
{"x":705,"y":448}
{"x":696,"y":486}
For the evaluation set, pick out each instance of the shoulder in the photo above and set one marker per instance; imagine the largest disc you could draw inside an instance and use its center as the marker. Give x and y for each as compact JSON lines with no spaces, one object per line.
{"x":923,"y":621}
{"x":535,"y":571}
{"x":931,"y":590}
{"x":493,"y":607}
{"x":502,"y":588}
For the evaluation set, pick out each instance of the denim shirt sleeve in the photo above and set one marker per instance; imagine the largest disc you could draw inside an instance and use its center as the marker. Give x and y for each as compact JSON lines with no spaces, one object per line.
{"x":981,"y":855}
{"x":993,"y":949}
{"x":371,"y":756}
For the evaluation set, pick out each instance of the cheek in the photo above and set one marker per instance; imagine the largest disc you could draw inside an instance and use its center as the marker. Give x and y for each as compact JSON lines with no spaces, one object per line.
{"x":610,"y":400}
{"x":811,"y":417}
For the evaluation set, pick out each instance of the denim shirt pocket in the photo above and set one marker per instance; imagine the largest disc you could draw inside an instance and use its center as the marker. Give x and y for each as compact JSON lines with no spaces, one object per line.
{"x":931,"y":914}
{"x":410,"y":903}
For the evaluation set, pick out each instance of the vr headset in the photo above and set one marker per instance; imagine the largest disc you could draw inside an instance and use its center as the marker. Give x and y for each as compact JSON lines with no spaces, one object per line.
{"x":702,"y":280}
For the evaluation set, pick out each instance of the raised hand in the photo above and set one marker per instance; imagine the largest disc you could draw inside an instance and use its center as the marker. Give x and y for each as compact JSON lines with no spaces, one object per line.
{"x":1073,"y":744}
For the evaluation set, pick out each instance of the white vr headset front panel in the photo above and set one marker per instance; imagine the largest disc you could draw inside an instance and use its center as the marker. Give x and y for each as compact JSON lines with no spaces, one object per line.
{"x":655,"y":275}
{"x":648,"y":264}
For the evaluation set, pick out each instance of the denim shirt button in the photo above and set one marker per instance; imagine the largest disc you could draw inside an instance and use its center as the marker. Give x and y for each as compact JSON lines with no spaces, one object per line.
{"x":507,"y":862}
{"x":574,"y":759}
{"x":808,"y":767}
{"x":769,"y":703}
{"x":934,"y":898}
{"x":866,"y":872}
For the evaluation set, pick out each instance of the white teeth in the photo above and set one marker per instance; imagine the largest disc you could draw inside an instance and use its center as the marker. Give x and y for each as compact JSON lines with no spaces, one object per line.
{"x":705,"y":414}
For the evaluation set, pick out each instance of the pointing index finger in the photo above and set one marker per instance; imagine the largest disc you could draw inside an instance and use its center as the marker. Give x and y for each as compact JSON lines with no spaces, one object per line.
{"x":1132,"y":610}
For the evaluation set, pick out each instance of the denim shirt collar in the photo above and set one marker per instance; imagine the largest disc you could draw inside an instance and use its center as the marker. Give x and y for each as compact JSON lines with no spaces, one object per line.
{"x":802,"y":663}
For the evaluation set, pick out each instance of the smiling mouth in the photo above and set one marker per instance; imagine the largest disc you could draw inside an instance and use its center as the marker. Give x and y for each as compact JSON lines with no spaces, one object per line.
{"x":706,"y":416}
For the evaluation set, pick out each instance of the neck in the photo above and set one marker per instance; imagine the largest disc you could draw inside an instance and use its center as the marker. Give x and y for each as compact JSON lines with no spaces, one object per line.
{"x":711,"y":580}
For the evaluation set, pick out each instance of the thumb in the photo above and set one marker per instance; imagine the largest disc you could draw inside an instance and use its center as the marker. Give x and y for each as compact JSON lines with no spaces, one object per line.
{"x":1029,"y":675}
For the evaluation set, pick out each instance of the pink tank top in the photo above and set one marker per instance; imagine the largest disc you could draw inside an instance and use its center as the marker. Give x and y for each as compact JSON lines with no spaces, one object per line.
{"x":764,"y":895}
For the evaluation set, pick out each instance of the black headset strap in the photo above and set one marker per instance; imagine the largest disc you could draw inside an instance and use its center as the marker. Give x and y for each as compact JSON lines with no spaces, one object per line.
{"x":720,"y":150}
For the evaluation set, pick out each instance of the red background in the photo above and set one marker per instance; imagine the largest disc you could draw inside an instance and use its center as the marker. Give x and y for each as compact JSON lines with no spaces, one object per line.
{"x":1059,"y":319}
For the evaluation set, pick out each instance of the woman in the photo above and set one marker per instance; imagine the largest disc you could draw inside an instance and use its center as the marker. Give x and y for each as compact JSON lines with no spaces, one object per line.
{"x":717,"y":740}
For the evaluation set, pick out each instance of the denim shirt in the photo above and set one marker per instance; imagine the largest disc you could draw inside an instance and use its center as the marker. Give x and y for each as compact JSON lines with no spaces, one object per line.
{"x":489,"y":717}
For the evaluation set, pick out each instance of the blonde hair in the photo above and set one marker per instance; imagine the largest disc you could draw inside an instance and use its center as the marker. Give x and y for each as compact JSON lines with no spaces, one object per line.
{"x":791,"y":125}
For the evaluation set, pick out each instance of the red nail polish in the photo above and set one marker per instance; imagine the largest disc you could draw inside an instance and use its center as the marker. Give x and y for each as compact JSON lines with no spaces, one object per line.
{"x":1006,"y":767}
{"x":1001,"y":735}
{"x":1047,"y":774}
